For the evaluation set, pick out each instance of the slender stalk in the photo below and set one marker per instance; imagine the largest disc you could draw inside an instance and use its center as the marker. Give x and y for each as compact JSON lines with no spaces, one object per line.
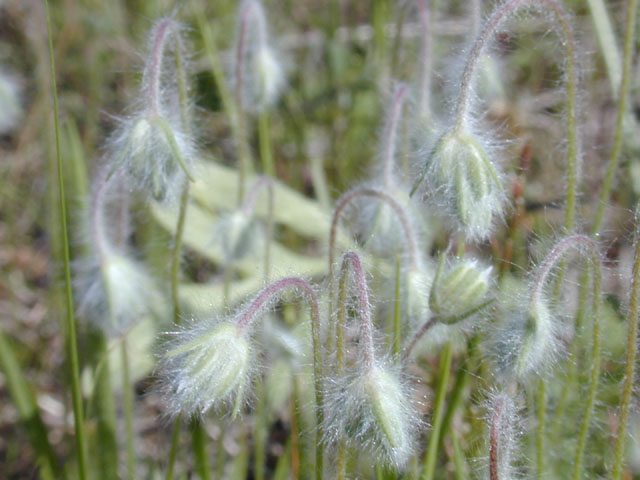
{"x":390,"y":136}
{"x":128,"y":410}
{"x":173,"y":450}
{"x":397,"y":310}
{"x":541,"y":416}
{"x":595,"y":373}
{"x":429,"y":462}
{"x":72,"y":347}
{"x":614,"y":158}
{"x":341,"y":469}
{"x":199,"y":442}
{"x":426,"y":59}
{"x":494,"y":440}
{"x":630,"y":361}
{"x":266,"y":152}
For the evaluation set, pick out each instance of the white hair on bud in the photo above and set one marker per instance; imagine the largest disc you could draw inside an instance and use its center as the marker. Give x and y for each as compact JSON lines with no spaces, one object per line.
{"x":206,"y":363}
{"x":373,"y":410}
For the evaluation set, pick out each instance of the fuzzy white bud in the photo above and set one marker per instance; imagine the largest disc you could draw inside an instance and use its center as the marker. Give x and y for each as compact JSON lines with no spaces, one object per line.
{"x":466,"y":183}
{"x":373,"y":409}
{"x":459,"y":289}
{"x":208,"y":365}
{"x":238,"y":233}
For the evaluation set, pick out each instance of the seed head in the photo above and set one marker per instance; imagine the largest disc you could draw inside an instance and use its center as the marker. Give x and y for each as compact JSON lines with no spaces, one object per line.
{"x":418,"y":285}
{"x":239,"y":233}
{"x":208,"y":364}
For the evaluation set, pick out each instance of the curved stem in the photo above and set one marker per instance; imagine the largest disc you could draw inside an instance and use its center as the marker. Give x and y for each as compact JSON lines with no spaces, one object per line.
{"x":70,"y":323}
{"x":614,"y":158}
{"x":351,"y":263}
{"x":468,"y":74}
{"x":629,"y":369}
{"x":250,"y":315}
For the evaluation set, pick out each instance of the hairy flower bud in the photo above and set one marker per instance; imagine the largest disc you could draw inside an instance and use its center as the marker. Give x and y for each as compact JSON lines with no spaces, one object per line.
{"x":418,"y":284}
{"x":460,"y":288}
{"x":374,"y":410}
{"x":207,"y":365}
{"x":239,"y":233}
{"x":259,"y":74}
{"x":524,"y":341}
{"x":465,"y":183}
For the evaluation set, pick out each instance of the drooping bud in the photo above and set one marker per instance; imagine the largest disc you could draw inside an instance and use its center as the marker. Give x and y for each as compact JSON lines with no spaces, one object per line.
{"x":418,"y":285}
{"x":238,"y":233}
{"x":460,"y":288}
{"x":373,"y":409}
{"x":524,"y":340}
{"x":465,"y":183}
{"x":154,"y":146}
{"x":10,"y":107}
{"x":207,"y":365}
{"x":259,"y":74}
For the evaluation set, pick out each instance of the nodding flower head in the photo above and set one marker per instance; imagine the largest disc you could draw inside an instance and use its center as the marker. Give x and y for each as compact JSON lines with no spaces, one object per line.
{"x":458,"y":289}
{"x":418,"y":284}
{"x":239,"y":233}
{"x":259,"y":73}
{"x":465,"y":183}
{"x":10,"y":107}
{"x":210,"y":363}
{"x":154,"y":146}
{"x":524,"y":341}
{"x":155,"y":154}
{"x":373,"y":409}
{"x":115,"y":292}
{"x":207,"y":364}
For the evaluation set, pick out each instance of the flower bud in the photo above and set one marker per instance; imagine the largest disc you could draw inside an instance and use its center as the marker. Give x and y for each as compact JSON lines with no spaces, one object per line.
{"x":238,"y":233}
{"x":523,"y":342}
{"x":207,"y":365}
{"x":10,"y":108}
{"x":418,"y":284}
{"x":260,"y":77}
{"x":115,"y":293}
{"x":374,"y":411}
{"x":459,"y":289}
{"x":154,"y":154}
{"x":466,"y":183}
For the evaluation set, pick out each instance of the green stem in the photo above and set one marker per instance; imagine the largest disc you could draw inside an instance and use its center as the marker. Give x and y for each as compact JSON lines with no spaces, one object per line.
{"x":72,"y":347}
{"x":629,"y":369}
{"x":341,"y":470}
{"x":199,"y":443}
{"x":175,"y":438}
{"x":176,"y":252}
{"x":540,"y":429}
{"x":429,"y":463}
{"x":614,"y":158}
{"x":397,"y":311}
{"x":461,"y":471}
{"x":266,"y":153}
{"x":595,"y":374}
{"x":127,"y":396}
